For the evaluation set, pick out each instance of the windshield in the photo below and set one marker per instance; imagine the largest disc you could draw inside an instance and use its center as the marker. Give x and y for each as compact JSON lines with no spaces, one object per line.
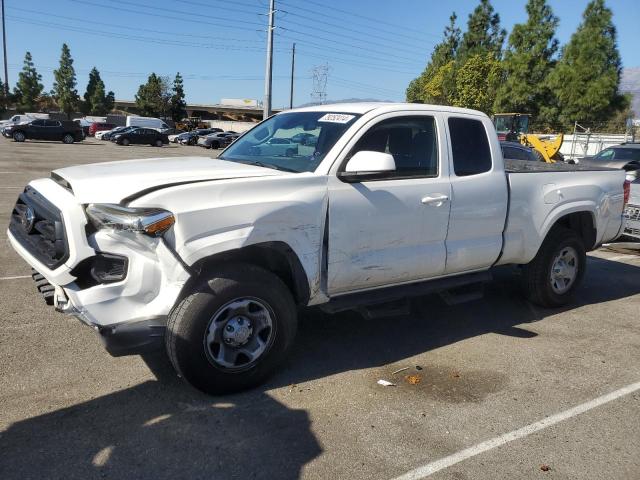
{"x":295,"y":142}
{"x":632,"y":154}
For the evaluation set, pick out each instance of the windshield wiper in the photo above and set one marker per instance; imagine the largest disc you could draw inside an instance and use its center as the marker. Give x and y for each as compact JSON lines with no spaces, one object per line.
{"x":268,"y":165}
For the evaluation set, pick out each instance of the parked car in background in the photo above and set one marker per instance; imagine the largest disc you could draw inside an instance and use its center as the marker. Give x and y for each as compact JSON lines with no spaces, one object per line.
{"x":191,"y":138}
{"x":276,"y":147}
{"x":54,"y":130}
{"x":100,"y":126}
{"x":304,"y":138}
{"x":215,"y":140}
{"x":16,"y":119}
{"x":85,"y":124}
{"x":109,"y":134}
{"x":141,"y":136}
{"x":147,"y":122}
{"x":625,"y":156}
{"x":632,"y":212}
{"x":517,"y":151}
{"x":173,"y":131}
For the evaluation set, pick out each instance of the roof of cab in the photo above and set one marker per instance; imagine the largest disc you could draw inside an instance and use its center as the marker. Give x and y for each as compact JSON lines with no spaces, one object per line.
{"x":365,"y":107}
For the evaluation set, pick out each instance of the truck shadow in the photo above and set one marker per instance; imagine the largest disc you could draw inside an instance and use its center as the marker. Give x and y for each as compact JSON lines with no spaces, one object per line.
{"x":160,"y":430}
{"x":163,"y":429}
{"x":330,"y":344}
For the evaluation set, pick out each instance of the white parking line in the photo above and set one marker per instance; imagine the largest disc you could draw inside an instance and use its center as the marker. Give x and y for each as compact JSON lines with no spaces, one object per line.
{"x":16,"y":277}
{"x":436,"y":466}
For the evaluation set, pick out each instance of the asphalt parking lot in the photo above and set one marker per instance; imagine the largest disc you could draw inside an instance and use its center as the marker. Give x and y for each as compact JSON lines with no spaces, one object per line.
{"x":496,"y":388}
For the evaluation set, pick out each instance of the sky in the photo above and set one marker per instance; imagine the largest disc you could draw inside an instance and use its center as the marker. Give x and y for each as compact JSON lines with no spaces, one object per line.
{"x":373,"y":48}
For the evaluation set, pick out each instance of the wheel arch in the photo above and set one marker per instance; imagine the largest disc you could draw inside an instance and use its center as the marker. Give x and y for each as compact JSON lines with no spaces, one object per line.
{"x":582,"y":222}
{"x":276,"y":257}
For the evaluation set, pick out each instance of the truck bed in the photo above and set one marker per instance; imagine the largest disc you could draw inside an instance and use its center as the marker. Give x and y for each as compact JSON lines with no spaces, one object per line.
{"x":525,"y":166}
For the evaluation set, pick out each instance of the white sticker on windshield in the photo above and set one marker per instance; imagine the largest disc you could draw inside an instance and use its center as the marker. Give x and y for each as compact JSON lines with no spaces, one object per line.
{"x":336,"y":118}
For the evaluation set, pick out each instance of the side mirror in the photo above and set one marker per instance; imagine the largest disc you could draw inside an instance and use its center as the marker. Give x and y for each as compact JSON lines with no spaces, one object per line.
{"x":367,"y":165}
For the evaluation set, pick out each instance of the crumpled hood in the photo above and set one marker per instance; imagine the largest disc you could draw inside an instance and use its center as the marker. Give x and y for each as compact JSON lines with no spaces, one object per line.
{"x":112,"y":182}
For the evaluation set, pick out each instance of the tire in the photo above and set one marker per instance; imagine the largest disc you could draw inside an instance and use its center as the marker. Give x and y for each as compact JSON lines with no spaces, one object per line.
{"x":190,"y":337}
{"x":539,"y":285}
{"x":215,"y":145}
{"x":158,"y":143}
{"x":125,"y":142}
{"x":19,"y":137}
{"x":68,"y":139}
{"x":538,"y":155}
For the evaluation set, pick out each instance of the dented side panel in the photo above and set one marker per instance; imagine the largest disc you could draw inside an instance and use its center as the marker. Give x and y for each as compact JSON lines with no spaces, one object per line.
{"x":215,"y":217}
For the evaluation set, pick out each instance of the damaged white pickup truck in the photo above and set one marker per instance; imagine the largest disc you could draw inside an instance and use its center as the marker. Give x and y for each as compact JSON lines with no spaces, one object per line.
{"x":338,"y":206}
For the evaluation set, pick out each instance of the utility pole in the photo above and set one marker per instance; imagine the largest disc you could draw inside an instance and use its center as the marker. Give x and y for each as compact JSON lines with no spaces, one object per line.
{"x":293,"y":69}
{"x":267,"y":77}
{"x":4,"y":47}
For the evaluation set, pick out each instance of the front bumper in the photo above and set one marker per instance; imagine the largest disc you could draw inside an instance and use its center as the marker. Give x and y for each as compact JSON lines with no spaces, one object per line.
{"x":632,"y":221}
{"x":129,"y":314}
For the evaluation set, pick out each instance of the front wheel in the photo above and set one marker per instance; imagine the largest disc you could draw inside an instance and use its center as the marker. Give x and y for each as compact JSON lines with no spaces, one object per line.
{"x":19,"y":137}
{"x":68,"y":139}
{"x":158,"y":143}
{"x":125,"y":142}
{"x":551,"y":278}
{"x":233,"y":330}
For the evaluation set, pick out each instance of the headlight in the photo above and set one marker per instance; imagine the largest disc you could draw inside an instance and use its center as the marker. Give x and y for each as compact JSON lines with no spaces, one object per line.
{"x":152,"y":221}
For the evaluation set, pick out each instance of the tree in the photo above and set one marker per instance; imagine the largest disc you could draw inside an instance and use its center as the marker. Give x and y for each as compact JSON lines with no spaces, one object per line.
{"x":64,"y":87}
{"x":528,"y":61}
{"x":4,"y":99}
{"x":28,"y":88}
{"x":585,"y":80}
{"x":442,"y":54}
{"x":483,"y":34}
{"x":153,"y":97}
{"x":96,"y":101}
{"x":476,"y":82}
{"x":178,"y":105}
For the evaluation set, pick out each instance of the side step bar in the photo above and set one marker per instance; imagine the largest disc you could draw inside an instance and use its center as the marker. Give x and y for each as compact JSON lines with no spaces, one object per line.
{"x":389,"y":294}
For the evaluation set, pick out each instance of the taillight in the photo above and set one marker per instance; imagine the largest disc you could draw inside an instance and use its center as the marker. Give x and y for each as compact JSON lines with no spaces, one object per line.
{"x":627,"y":191}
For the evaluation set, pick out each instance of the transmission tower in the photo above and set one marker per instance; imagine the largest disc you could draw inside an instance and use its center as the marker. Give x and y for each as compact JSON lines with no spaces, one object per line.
{"x":320,"y":75}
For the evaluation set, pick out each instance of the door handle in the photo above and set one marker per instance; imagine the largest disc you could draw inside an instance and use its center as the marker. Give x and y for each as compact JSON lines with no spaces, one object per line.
{"x":436,"y":200}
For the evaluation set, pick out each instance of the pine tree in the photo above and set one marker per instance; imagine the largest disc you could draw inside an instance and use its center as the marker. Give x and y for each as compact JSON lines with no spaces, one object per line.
{"x":178,"y":106}
{"x":94,"y":78}
{"x":528,"y":60}
{"x":110,"y":101}
{"x":96,"y":101}
{"x":586,"y":79}
{"x":442,"y":54}
{"x":64,"y":86}
{"x":4,"y":100}
{"x":28,"y":88}
{"x":483,"y":34}
{"x":154,"y":96}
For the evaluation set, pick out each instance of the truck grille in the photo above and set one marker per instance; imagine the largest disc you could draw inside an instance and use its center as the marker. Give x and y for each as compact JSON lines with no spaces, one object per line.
{"x":38,"y":226}
{"x":632,"y":212}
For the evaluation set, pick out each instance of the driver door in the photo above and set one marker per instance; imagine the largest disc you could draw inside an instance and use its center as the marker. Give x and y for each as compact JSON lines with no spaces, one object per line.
{"x":389,"y":230}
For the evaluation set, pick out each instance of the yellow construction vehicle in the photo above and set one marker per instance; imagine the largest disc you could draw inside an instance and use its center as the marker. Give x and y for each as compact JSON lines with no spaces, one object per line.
{"x":514,"y":127}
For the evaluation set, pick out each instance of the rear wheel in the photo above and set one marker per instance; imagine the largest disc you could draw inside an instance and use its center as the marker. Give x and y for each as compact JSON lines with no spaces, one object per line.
{"x":158,"y":143}
{"x":552,"y":277}
{"x":19,"y":137}
{"x":68,"y":138}
{"x":233,"y":330}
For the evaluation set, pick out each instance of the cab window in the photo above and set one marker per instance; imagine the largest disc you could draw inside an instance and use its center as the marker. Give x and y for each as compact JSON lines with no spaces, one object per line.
{"x":410,"y":140}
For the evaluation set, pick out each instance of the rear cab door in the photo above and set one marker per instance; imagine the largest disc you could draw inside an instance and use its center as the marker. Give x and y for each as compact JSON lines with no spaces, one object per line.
{"x":479,"y":190}
{"x":390,"y":230}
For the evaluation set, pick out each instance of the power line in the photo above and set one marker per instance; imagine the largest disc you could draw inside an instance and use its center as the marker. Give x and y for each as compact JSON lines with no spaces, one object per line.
{"x":368,"y":34}
{"x":156,"y":41}
{"x":377,"y":21}
{"x":129,"y":28}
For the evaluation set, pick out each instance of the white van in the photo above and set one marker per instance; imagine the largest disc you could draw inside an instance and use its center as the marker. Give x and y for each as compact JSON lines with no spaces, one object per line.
{"x":147,"y":122}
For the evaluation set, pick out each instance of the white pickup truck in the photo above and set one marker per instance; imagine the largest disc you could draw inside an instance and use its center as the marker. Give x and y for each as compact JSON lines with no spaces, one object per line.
{"x":212,"y":258}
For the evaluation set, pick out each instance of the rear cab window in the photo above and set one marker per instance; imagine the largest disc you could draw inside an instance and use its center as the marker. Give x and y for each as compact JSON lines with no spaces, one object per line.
{"x":469,"y":146}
